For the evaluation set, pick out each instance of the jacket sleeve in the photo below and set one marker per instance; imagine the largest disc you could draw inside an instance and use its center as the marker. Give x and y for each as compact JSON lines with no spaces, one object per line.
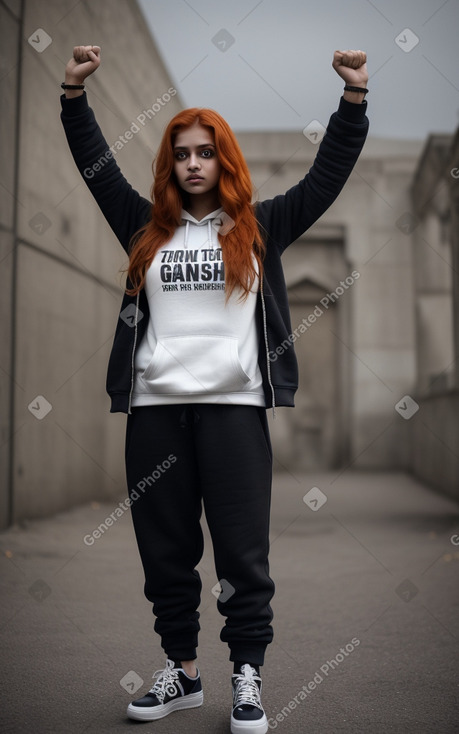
{"x":289,"y":215}
{"x":124,"y":208}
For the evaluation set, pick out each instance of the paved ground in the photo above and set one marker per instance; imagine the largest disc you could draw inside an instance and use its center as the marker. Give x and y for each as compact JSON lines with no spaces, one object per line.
{"x":372,"y":572}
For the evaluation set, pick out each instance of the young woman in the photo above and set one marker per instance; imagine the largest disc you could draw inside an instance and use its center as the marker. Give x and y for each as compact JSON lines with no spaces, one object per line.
{"x":204,"y":309}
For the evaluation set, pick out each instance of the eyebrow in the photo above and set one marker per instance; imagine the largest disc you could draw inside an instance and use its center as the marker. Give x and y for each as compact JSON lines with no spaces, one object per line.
{"x":204,"y":145}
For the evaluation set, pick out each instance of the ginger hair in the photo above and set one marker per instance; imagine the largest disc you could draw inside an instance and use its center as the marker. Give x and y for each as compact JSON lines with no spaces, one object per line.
{"x":239,"y":244}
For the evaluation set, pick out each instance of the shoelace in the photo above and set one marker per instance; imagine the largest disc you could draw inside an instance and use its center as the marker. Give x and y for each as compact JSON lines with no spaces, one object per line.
{"x":166,"y":681}
{"x":247,"y":691}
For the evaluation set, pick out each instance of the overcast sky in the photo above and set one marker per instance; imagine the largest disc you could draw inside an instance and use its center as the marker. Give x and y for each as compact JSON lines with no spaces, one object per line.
{"x":266,"y":64}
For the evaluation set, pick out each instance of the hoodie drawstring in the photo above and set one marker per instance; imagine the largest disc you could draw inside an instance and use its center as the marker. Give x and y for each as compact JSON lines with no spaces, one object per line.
{"x":216,"y":221}
{"x":187,"y":227}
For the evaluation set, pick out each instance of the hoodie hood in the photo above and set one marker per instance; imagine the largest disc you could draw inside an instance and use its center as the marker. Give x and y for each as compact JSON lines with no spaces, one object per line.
{"x":213,"y":221}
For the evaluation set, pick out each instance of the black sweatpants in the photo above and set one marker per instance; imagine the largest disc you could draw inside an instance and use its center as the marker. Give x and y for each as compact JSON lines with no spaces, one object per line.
{"x":178,"y":457}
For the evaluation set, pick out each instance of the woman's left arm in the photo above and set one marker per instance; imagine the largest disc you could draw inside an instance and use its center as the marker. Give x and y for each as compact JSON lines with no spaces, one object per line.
{"x":352,"y":68}
{"x":287,"y":216}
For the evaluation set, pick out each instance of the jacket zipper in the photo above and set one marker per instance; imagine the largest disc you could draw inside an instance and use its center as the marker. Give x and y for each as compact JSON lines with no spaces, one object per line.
{"x":268,"y":364}
{"x":133,"y":353}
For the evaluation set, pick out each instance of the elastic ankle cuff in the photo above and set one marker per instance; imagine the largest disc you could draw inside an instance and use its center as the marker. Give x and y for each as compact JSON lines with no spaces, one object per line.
{"x":248,"y":654}
{"x":181,"y":655}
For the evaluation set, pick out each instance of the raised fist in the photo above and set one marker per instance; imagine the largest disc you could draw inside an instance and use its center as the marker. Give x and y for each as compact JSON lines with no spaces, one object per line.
{"x":85,"y":60}
{"x":351,"y":66}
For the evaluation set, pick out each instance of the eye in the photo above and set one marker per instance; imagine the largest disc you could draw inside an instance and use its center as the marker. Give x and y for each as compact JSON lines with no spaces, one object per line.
{"x":207,"y":153}
{"x":180,"y":155}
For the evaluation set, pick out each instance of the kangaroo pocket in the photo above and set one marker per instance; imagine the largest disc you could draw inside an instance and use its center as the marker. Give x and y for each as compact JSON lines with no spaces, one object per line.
{"x":195,"y":364}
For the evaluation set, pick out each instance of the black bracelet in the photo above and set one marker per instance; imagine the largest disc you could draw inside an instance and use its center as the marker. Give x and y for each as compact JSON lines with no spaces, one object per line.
{"x":360,"y":90}
{"x":72,"y":86}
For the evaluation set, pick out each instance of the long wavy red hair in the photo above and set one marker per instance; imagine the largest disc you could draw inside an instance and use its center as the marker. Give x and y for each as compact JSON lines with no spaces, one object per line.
{"x":235,"y":195}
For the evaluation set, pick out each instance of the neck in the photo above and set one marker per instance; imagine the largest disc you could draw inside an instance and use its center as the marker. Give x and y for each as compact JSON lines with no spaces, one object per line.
{"x":199,"y":205}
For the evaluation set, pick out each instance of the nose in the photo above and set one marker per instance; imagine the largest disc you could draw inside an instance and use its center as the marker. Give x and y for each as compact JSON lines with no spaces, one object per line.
{"x":193,"y":163}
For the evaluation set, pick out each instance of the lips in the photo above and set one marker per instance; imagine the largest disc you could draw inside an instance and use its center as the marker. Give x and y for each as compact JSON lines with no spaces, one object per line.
{"x":195,"y":178}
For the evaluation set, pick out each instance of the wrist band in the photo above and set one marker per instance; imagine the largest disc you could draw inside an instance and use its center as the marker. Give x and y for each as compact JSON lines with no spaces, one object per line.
{"x":360,"y":90}
{"x":72,"y":86}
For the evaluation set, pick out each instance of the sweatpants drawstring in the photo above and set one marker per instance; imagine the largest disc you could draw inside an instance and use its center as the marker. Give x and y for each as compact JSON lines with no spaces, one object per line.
{"x":189,"y":415}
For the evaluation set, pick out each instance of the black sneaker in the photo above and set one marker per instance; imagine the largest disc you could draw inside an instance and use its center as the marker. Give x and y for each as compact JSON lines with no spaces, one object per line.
{"x":173,"y":690}
{"x":247,"y":716}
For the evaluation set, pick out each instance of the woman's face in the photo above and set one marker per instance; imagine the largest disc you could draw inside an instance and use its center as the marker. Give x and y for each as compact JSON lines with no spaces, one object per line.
{"x":196,"y":164}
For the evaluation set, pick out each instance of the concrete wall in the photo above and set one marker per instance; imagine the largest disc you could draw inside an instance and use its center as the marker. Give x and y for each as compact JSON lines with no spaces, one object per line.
{"x":8,"y":207}
{"x":60,"y":281}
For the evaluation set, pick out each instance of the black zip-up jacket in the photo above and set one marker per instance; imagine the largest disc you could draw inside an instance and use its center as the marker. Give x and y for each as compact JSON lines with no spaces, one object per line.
{"x":282,"y":220}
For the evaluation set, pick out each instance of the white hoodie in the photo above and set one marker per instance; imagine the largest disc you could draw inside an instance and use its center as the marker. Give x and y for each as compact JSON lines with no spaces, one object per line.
{"x":196,"y":349}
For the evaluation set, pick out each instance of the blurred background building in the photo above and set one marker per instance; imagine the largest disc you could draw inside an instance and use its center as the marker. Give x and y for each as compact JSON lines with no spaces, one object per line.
{"x":434,"y":436}
{"x":376,"y":279}
{"x":378,"y":361}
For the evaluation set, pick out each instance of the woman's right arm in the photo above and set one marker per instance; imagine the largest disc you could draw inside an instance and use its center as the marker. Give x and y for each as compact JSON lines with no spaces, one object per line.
{"x":123,"y":207}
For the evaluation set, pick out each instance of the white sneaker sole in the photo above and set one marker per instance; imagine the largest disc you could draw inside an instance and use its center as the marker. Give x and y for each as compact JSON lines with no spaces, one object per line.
{"x":151,"y":713}
{"x":260,"y":726}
